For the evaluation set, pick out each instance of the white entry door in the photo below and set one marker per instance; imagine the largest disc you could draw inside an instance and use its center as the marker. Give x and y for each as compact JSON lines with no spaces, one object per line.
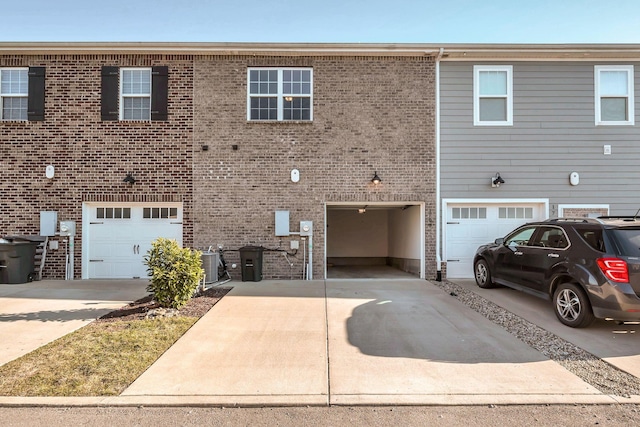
{"x":119,"y":236}
{"x":469,"y":225}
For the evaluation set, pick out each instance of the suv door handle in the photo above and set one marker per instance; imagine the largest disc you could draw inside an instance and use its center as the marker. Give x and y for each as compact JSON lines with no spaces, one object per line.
{"x":518,"y":253}
{"x":553,"y":255}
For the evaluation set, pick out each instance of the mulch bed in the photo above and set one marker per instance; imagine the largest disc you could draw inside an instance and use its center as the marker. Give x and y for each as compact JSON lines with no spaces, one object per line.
{"x":196,"y":307}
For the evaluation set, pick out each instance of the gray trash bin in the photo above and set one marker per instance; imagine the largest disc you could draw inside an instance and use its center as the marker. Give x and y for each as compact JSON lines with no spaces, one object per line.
{"x":17,"y":262}
{"x":251,"y":263}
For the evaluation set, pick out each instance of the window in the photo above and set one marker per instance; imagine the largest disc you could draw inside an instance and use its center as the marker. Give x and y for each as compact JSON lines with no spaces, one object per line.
{"x":515,"y":213}
{"x":520,"y":237}
{"x":493,"y":97}
{"x":468,"y":213}
{"x":113,"y":213}
{"x":14,"y":93}
{"x":160,"y":213}
{"x":551,"y":237}
{"x":280,"y":94}
{"x":134,"y":93}
{"x":614,"y":95}
{"x":22,"y":94}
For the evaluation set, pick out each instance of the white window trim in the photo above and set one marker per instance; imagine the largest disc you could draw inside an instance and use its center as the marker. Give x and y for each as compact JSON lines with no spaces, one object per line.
{"x":138,"y":95}
{"x":630,"y":98}
{"x":13,"y":95}
{"x":476,"y":94}
{"x":280,"y":95}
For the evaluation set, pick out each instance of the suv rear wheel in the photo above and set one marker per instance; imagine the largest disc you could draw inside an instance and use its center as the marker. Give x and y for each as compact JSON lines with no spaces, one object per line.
{"x":572,"y":306}
{"x":483,"y":274}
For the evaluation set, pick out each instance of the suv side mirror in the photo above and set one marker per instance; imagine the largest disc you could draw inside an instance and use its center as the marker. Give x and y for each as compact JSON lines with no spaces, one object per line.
{"x":499,"y":241}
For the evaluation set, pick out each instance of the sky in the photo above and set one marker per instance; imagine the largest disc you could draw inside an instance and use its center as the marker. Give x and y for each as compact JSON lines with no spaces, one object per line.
{"x":323,"y":21}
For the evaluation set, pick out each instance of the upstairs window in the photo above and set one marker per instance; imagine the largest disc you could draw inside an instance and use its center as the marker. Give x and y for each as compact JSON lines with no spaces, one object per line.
{"x":614,"y":95}
{"x":493,"y":95}
{"x":280,"y":94}
{"x":14,"y":93}
{"x":137,"y":94}
{"x":22,"y":94}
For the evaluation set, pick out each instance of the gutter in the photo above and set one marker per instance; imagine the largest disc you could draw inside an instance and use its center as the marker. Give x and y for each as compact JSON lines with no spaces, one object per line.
{"x":438,"y":219}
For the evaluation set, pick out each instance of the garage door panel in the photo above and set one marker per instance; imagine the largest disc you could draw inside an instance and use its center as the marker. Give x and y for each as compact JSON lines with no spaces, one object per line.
{"x":465,"y":235}
{"x":116,"y":247}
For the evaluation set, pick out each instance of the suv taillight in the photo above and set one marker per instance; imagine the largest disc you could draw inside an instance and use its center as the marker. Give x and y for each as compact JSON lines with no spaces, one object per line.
{"x":615,"y":269}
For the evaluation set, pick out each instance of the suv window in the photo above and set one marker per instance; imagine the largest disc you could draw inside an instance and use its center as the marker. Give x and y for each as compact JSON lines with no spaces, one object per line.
{"x":552,"y":237}
{"x":520,"y":237}
{"x":593,"y":237}
{"x":628,"y":240}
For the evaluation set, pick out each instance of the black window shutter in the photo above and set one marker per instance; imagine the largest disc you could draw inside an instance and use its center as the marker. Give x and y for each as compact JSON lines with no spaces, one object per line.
{"x":159,"y":92}
{"x":110,"y":93}
{"x":35,"y":102}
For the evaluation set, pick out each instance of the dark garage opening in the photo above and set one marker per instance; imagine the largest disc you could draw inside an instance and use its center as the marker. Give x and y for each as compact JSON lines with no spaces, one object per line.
{"x":379,"y":241}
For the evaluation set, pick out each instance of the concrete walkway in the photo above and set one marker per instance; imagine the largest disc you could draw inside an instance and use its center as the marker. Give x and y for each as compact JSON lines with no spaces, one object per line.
{"x":346,"y":342}
{"x":34,"y":314}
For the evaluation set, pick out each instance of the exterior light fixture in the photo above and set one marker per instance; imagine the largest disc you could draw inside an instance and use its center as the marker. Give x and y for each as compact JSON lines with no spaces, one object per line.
{"x":376,"y":179}
{"x":129,"y":179}
{"x":362,"y":210}
{"x":496,"y":180}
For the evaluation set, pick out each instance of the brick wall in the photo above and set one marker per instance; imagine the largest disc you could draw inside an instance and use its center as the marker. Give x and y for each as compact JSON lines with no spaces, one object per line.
{"x":92,"y":157}
{"x":370,"y":114}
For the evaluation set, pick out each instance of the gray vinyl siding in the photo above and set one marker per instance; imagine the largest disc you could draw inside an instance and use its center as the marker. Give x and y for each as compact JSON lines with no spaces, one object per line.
{"x":553,"y":134}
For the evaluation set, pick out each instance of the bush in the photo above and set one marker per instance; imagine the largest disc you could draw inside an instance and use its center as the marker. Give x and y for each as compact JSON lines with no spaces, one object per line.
{"x":175,"y":272}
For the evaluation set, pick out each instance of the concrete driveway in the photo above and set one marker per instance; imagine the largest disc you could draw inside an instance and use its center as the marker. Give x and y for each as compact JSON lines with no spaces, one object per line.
{"x":34,"y":314}
{"x":339,"y":342}
{"x":351,"y":342}
{"x":619,"y":345}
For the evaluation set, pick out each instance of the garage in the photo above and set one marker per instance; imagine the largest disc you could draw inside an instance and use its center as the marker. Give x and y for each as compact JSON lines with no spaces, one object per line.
{"x":116,"y":237}
{"x":471,"y":223}
{"x":370,"y":240}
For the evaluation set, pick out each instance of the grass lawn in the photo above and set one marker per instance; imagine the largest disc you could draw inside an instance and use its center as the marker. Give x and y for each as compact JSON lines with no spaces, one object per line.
{"x":101,"y":359}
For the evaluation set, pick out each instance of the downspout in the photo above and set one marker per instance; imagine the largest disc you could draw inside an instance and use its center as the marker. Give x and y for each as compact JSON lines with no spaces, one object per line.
{"x":438,"y":225}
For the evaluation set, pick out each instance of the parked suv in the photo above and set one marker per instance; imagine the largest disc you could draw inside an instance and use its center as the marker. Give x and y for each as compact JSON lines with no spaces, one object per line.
{"x":588,"y":267}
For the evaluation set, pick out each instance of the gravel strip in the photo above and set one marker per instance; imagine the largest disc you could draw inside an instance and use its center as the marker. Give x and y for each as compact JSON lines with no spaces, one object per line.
{"x":591,"y":369}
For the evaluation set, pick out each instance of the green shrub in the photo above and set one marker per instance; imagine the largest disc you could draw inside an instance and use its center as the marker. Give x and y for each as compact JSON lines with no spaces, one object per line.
{"x":175,"y":272}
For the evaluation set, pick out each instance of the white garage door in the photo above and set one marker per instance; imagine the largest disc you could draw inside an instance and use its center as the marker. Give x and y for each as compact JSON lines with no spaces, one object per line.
{"x":470,"y":225}
{"x":119,"y":236}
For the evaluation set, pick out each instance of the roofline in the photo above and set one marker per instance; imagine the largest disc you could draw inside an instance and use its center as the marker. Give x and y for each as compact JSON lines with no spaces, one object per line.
{"x":451,"y":52}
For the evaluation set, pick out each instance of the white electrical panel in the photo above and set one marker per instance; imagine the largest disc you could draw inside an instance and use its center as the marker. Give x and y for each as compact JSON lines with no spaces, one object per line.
{"x":48,"y":223}
{"x":67,"y":228}
{"x":306,"y":228}
{"x":282,"y":223}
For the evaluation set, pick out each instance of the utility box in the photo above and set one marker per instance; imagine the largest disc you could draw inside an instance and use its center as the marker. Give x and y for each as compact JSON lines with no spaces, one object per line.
{"x":251,"y":263}
{"x":282,"y":223}
{"x":210,"y":266}
{"x":67,"y":228}
{"x":48,"y":223}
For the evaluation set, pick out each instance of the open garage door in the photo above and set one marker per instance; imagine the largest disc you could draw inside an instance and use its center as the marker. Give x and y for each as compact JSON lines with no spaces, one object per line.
{"x":374,"y":240}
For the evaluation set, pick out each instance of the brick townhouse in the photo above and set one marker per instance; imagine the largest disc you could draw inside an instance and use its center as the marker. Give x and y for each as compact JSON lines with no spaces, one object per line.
{"x":206,"y":142}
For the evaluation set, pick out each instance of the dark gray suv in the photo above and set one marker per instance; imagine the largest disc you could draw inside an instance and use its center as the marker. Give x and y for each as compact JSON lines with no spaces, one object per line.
{"x":588,"y":267}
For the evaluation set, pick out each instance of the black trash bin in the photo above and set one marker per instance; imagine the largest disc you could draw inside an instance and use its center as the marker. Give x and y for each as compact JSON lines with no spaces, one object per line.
{"x":17,"y":262}
{"x":251,"y":263}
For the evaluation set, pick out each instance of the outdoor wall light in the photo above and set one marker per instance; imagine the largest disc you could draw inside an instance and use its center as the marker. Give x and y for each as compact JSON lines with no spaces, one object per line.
{"x":376,"y":179}
{"x":496,"y":180}
{"x":129,"y":179}
{"x":362,"y":210}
